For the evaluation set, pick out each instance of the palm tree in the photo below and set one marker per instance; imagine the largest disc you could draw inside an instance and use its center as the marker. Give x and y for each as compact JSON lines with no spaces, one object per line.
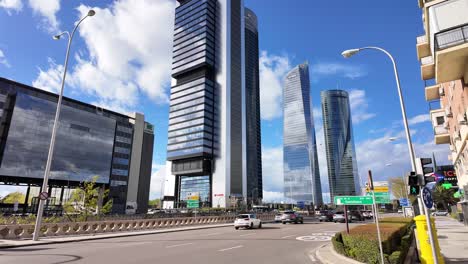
{"x":444,"y":197}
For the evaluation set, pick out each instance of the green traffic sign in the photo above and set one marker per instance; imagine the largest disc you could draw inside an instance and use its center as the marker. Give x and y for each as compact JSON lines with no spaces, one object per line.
{"x":381,"y":198}
{"x":353,"y":200}
{"x":193,"y":204}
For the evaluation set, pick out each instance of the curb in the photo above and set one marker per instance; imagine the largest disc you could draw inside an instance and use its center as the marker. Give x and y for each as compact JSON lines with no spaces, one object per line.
{"x":104,"y":236}
{"x":337,"y":258}
{"x":71,"y":239}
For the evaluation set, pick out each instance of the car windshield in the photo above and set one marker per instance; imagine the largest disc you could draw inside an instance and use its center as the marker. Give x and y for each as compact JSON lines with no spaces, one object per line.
{"x":288,"y":212}
{"x":242,"y":217}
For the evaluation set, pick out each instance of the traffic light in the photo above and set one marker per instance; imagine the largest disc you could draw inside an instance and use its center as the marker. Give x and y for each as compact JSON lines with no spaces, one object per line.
{"x":414,"y":190}
{"x":413,"y":183}
{"x":421,"y":167}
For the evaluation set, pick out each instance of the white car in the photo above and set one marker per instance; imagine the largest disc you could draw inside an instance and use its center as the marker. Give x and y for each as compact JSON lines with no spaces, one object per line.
{"x":247,"y":221}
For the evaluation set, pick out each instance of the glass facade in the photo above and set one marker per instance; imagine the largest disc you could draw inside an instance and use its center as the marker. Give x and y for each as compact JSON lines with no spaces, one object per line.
{"x":83,"y":148}
{"x":341,"y":156}
{"x":301,"y":170}
{"x":252,"y":88}
{"x":195,"y":184}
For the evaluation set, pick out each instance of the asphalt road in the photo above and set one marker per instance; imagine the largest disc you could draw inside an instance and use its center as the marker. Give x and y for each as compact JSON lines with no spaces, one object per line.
{"x":274,"y":243}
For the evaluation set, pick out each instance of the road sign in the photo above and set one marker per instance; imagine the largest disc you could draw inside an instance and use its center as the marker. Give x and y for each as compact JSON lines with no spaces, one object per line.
{"x":353,"y":200}
{"x":381,"y":189}
{"x":43,"y":195}
{"x":380,"y":184}
{"x":193,"y":196}
{"x":301,"y":204}
{"x":384,"y":199}
{"x":427,"y":197}
{"x":193,"y":204}
{"x":404,"y":202}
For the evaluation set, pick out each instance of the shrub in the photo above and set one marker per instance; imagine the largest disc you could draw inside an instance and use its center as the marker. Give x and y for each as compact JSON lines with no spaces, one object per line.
{"x":337,"y":242}
{"x":395,"y":257}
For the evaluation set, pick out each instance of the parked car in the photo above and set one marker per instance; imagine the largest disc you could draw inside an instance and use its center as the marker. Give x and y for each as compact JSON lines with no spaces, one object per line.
{"x":400,"y":211}
{"x":247,"y":221}
{"x":339,"y":217}
{"x":278,"y":218}
{"x":356,"y":215}
{"x":367,"y":214}
{"x":326,"y":217}
{"x":292,"y":217}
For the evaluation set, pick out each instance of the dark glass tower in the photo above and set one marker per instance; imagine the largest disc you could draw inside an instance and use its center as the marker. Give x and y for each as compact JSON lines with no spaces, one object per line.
{"x":341,"y":156}
{"x":301,"y":170}
{"x":252,"y":88}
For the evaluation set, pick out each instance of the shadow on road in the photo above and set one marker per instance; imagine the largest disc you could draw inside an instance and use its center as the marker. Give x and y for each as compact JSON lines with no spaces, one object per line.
{"x":73,"y":257}
{"x":27,"y":249}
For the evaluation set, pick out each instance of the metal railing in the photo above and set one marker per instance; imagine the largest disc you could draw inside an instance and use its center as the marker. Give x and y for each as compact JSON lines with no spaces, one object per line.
{"x":451,"y":37}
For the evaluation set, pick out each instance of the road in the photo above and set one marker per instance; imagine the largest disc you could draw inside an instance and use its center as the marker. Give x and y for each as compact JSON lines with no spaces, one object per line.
{"x":274,"y":243}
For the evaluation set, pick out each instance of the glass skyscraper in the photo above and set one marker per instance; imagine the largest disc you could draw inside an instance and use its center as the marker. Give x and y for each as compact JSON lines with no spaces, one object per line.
{"x":207,"y":138}
{"x":341,"y":155}
{"x":301,"y":170}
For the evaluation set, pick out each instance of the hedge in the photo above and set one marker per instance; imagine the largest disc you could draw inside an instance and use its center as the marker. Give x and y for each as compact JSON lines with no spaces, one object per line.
{"x":362,"y":244}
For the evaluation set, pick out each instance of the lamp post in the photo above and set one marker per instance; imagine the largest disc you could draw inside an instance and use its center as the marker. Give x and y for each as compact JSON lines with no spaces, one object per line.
{"x":351,"y":52}
{"x":50,"y":155}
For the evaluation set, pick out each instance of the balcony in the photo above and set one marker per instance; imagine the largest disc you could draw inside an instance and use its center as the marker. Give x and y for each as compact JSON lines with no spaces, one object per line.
{"x":451,"y":47}
{"x":440,"y":124}
{"x":434,"y":92}
{"x":441,"y":134}
{"x":423,"y":48}
{"x":427,"y":68}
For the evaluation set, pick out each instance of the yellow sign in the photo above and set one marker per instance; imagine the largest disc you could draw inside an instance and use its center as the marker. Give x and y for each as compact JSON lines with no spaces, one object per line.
{"x":380,"y":188}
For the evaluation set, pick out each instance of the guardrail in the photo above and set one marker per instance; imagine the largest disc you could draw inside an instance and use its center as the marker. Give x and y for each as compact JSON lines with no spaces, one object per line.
{"x":113,"y":226}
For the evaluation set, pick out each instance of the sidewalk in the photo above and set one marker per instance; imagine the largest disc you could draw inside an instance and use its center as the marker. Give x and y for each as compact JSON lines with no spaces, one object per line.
{"x":327,"y":255}
{"x":453,"y":240}
{"x":64,"y":239}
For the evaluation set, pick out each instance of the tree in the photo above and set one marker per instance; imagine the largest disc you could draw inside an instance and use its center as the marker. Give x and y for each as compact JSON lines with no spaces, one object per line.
{"x":398,"y":187}
{"x":443,"y":198}
{"x":85,"y":200}
{"x":156,"y":203}
{"x":13,"y":197}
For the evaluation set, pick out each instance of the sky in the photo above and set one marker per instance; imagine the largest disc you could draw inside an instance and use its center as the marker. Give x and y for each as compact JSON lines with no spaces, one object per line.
{"x":121,"y":60}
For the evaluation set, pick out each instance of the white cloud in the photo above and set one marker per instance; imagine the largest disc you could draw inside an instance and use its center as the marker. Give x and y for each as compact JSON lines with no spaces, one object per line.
{"x":157,"y":179}
{"x":124,"y":57}
{"x":11,"y":5}
{"x":273,"y":197}
{"x":50,"y":79}
{"x":3,"y":60}
{"x":325,"y":69}
{"x":273,"y":68}
{"x":272,"y":169}
{"x":419,"y":119}
{"x":47,"y":9}
{"x":359,"y":106}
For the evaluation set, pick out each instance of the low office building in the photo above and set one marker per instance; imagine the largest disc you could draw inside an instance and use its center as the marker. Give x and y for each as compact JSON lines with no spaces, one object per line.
{"x":91,"y":142}
{"x":443,"y":52}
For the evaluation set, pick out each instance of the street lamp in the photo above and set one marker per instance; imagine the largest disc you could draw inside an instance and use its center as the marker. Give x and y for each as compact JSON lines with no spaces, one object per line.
{"x":40,"y":210}
{"x":351,"y":52}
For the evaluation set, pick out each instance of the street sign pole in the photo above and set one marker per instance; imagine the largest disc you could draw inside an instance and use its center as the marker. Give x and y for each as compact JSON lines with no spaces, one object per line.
{"x":376,"y":216}
{"x":427,"y":197}
{"x":346,"y":218}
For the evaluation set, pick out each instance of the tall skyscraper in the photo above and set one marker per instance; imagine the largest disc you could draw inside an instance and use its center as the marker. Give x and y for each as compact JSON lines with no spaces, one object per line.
{"x":301,"y":170}
{"x":206,"y":150}
{"x":252,"y":87}
{"x":341,"y":155}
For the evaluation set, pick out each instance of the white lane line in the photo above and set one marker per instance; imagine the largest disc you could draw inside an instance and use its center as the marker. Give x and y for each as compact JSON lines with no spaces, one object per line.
{"x":312,"y":258}
{"x":179,"y":245}
{"x":248,"y":234}
{"x":288,"y":236}
{"x":226,"y":249}
{"x":211,"y":234}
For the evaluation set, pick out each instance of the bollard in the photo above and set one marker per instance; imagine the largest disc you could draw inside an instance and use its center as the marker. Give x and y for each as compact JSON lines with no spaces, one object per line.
{"x":423,"y":238}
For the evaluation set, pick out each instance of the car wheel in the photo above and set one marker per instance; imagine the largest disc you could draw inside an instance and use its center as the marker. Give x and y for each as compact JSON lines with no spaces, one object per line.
{"x":260,"y":225}
{"x":320,"y":221}
{"x":284,"y":223}
{"x":302,"y":221}
{"x":251,"y":225}
{"x":237,"y":228}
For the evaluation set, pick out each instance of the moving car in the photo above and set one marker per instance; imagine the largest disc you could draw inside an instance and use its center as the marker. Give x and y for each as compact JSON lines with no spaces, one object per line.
{"x":441,"y":213}
{"x":339,"y":217}
{"x":278,"y":218}
{"x":291,"y":217}
{"x":248,"y":221}
{"x":356,"y":215}
{"x":367,"y":214}
{"x":326,"y":217}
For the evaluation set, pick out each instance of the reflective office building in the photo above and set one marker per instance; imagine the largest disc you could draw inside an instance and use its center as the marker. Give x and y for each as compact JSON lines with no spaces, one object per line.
{"x":341,"y":154}
{"x":301,"y":170}
{"x":207,"y":138}
{"x":90,"y":142}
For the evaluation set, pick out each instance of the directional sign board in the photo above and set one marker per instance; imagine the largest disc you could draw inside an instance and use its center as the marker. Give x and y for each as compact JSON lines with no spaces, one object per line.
{"x":404,"y":202}
{"x":353,"y":200}
{"x":193,"y":204}
{"x":381,"y":197}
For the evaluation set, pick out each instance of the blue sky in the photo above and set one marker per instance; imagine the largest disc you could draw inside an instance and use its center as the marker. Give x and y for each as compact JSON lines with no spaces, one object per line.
{"x":121,"y":60}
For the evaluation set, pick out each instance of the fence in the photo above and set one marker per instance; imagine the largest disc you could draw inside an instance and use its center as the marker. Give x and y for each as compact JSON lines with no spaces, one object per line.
{"x":113,"y":226}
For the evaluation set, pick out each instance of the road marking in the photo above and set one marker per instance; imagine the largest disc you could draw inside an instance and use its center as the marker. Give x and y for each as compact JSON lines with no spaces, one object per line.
{"x":226,"y":249}
{"x":316,"y":237}
{"x":248,"y":234}
{"x":179,"y":245}
{"x":288,"y":236}
{"x":211,"y":234}
{"x":312,"y":258}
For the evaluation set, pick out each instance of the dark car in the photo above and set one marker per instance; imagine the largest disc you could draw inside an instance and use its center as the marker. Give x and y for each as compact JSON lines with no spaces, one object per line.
{"x":291,"y":217}
{"x":326,"y":216}
{"x":357,"y":216}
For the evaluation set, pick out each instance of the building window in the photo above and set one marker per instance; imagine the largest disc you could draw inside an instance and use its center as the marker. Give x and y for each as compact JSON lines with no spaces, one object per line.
{"x":440,"y":120}
{"x":120,"y":172}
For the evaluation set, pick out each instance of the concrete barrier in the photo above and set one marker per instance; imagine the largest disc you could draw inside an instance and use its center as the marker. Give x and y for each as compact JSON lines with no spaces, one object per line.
{"x":107,"y":226}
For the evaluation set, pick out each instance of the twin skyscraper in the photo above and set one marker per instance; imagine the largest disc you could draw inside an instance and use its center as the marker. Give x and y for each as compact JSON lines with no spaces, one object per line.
{"x":300,"y":160}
